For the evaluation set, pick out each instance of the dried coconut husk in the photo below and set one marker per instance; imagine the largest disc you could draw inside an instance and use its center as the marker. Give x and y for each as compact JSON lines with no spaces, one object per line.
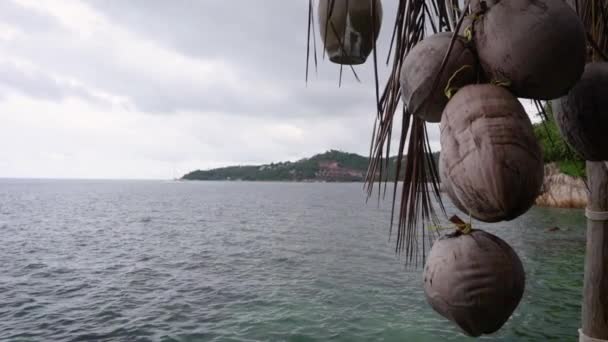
{"x":349,"y":28}
{"x":475,"y":280}
{"x":481,"y":5}
{"x":489,"y":155}
{"x":446,"y":186}
{"x":582,"y":115}
{"x":423,"y":93}
{"x":535,"y":47}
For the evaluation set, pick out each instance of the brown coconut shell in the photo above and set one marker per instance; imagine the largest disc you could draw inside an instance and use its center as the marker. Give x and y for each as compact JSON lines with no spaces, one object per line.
{"x":420,"y":69}
{"x":347,"y":29}
{"x":489,"y":154}
{"x":475,"y":280}
{"x":582,"y":115}
{"x":446,"y":186}
{"x":537,"y":47}
{"x":480,"y":5}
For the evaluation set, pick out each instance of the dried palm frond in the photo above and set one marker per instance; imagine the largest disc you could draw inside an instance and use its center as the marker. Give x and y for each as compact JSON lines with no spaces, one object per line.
{"x":414,"y":20}
{"x":594,"y":14}
{"x":420,"y":193}
{"x":419,"y":196}
{"x":331,"y":30}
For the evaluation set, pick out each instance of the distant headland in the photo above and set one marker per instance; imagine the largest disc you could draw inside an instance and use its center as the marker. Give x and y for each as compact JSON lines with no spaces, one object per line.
{"x":563,"y":187}
{"x":331,"y":166}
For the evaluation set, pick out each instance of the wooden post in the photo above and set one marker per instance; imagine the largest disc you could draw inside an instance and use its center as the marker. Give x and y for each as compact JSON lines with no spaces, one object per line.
{"x":595,"y":289}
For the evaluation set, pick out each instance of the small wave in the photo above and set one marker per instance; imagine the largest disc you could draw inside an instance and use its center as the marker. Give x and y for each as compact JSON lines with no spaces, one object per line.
{"x":70,"y":289}
{"x":35,"y":266}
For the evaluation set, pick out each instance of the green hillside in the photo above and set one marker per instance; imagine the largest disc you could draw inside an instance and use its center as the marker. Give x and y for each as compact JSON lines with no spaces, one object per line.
{"x":556,"y":150}
{"x":336,"y":166}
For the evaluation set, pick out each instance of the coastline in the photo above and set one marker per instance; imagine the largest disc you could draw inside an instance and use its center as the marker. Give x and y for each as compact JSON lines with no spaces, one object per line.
{"x":562,"y":191}
{"x":558,"y":191}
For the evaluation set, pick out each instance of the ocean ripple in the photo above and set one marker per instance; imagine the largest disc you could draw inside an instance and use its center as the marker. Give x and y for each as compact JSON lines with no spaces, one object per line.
{"x":162,"y":261}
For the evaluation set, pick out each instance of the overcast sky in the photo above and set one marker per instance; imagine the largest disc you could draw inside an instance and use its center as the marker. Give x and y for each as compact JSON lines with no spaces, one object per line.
{"x":157,"y":88}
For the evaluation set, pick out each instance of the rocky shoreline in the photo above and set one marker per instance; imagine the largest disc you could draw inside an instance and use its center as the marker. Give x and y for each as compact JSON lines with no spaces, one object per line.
{"x":562,"y":191}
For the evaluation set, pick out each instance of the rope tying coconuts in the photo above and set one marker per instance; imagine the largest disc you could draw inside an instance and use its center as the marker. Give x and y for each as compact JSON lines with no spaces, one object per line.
{"x":601,"y":216}
{"x":449,"y":90}
{"x":469,"y":27}
{"x":460,"y":226}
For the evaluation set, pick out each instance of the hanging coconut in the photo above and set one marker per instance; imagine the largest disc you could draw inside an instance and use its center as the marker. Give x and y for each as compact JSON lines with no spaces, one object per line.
{"x":481,"y":5}
{"x":474,"y":280}
{"x":582,"y":115}
{"x":489,"y":155}
{"x":423,"y":91}
{"x":349,"y":29}
{"x":535,"y":47}
{"x":446,"y":187}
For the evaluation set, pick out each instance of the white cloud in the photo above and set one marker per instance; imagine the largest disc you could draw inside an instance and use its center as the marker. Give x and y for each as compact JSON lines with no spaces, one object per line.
{"x":74,"y":138}
{"x":145,"y":89}
{"x":74,"y":15}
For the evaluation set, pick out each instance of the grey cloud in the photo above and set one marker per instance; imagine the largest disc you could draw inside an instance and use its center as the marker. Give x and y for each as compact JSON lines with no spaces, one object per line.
{"x":40,"y":85}
{"x":270,"y":115}
{"x":263,"y":42}
{"x":267,"y":38}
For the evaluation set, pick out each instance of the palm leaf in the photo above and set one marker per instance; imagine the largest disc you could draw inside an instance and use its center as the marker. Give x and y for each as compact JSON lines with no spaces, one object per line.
{"x":594,"y":14}
{"x":419,"y":194}
{"x":419,"y":199}
{"x":311,"y":38}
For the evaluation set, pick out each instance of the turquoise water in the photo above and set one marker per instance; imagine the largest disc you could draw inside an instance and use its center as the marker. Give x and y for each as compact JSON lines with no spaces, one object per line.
{"x":173,"y":261}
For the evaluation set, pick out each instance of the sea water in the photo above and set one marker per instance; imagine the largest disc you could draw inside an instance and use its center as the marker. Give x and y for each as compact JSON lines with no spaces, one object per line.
{"x":239,"y":261}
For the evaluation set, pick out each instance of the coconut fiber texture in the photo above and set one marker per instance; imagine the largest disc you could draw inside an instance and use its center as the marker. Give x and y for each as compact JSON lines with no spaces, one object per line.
{"x":490,"y":157}
{"x":420,"y":69}
{"x":582,"y":115}
{"x":348,"y":30}
{"x":474,"y":280}
{"x":536,"y":47}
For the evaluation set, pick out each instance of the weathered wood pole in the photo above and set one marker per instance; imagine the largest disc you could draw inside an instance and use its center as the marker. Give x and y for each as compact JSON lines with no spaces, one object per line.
{"x":595,"y":288}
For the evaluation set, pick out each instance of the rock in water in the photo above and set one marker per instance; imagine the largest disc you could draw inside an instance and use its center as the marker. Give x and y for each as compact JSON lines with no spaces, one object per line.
{"x":475,"y":280}
{"x":348,"y":30}
{"x":536,"y":47}
{"x":489,"y":155}
{"x":420,"y":69}
{"x":582,"y":115}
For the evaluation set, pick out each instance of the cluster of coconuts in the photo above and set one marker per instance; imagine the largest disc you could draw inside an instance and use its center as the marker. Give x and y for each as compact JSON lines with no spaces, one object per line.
{"x":491,"y":165}
{"x":582,"y":115}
